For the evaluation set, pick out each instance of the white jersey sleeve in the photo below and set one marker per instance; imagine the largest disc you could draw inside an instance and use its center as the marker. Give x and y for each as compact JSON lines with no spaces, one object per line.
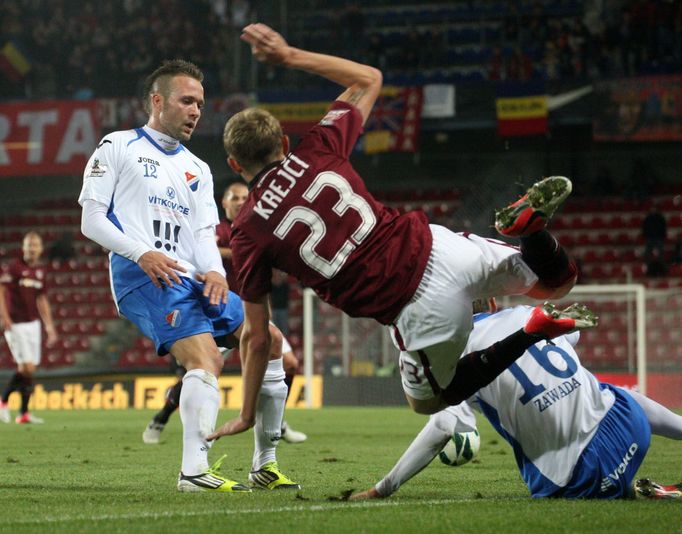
{"x":101,"y":172}
{"x":426,"y":446}
{"x":546,"y":404}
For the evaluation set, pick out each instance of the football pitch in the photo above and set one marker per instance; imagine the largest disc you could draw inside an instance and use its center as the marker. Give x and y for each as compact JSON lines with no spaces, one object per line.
{"x":88,"y":471}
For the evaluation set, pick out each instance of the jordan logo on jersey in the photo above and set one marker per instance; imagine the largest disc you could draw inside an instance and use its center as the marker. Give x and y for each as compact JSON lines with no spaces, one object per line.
{"x":192,"y":181}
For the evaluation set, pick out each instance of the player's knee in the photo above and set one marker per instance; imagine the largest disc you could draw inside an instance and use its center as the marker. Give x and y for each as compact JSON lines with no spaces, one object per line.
{"x":541,"y":291}
{"x":443,"y":422}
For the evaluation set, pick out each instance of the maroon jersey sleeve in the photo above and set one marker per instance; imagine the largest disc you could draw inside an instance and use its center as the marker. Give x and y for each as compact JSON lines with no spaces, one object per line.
{"x":224,"y":238}
{"x":223,"y":233}
{"x":338,"y":130}
{"x":254,"y":275}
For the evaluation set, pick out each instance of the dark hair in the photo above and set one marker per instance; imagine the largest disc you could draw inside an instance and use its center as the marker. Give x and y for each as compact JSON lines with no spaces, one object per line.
{"x":157,"y":80}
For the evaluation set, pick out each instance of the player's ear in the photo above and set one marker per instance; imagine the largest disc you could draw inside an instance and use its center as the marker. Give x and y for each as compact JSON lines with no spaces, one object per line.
{"x":285,"y":144}
{"x":236,"y":167}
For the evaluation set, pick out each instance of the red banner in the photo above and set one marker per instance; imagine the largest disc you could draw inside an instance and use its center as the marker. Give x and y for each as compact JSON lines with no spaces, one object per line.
{"x":46,"y":138}
{"x":665,"y":388}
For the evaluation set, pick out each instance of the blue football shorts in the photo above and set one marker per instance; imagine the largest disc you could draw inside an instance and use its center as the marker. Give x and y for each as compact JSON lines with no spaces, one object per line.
{"x":610,"y":462}
{"x":168,"y":314}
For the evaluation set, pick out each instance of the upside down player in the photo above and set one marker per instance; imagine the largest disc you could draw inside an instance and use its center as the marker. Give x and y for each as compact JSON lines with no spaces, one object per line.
{"x":147,"y":199}
{"x":570,"y":433}
{"x":23,"y":303}
{"x":310,"y":215}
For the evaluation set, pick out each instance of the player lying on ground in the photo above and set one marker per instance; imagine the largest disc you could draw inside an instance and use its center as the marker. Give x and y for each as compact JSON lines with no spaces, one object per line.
{"x":309,"y":214}
{"x":572,"y":435}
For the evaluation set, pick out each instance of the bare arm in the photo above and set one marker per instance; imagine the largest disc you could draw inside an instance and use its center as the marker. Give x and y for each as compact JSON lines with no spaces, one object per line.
{"x":254,"y":348}
{"x":362,"y":82}
{"x":46,"y":315}
{"x":5,"y":319}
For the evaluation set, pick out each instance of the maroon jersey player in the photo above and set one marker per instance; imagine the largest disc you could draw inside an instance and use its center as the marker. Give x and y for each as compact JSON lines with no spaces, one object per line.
{"x":233,"y":199}
{"x":309,"y":214}
{"x":23,"y":303}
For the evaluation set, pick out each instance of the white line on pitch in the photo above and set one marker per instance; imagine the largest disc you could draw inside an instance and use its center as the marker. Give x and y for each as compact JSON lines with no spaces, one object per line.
{"x":281,"y":509}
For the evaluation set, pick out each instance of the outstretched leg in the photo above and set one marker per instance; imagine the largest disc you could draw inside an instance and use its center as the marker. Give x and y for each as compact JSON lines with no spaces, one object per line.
{"x":663,"y":422}
{"x":527,"y":219}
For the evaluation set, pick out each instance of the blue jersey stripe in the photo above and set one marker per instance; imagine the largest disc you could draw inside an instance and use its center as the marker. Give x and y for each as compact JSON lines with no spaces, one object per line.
{"x":157,"y":146}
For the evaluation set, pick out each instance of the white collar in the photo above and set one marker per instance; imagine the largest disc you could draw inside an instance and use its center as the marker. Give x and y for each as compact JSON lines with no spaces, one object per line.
{"x":166,"y":142}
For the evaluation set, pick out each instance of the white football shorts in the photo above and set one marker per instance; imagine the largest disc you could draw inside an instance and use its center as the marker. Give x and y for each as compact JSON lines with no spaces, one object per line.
{"x":24,"y":340}
{"x":432,"y":330}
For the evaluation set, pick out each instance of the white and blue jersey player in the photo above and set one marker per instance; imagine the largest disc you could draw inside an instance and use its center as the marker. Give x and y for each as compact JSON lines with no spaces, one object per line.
{"x":160,"y":195}
{"x":149,"y":200}
{"x":572,"y":436}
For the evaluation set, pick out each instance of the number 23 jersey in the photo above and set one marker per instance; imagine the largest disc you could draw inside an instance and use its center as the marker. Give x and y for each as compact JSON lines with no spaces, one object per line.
{"x":156,"y":195}
{"x":311,"y":216}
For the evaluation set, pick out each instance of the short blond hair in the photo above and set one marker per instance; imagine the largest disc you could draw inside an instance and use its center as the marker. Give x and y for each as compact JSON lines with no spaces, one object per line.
{"x":253,"y":137}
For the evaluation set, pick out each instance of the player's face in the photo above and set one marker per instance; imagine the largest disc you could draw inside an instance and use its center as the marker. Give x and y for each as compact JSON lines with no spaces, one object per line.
{"x":234,"y":200}
{"x":32,"y":248}
{"x":181,"y":110}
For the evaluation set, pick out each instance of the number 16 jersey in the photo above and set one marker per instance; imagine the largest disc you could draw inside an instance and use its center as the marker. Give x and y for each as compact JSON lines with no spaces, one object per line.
{"x":311,"y":216}
{"x":158,"y":194}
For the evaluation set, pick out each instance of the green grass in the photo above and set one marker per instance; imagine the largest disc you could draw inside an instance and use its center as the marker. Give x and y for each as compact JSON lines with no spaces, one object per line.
{"x":88,"y":471}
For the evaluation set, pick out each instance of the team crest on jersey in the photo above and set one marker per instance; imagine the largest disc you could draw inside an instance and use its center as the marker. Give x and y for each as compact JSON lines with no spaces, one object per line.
{"x":170,"y":192}
{"x":97,"y":170}
{"x":192,"y":180}
{"x":173,"y":318}
{"x":332,"y":115}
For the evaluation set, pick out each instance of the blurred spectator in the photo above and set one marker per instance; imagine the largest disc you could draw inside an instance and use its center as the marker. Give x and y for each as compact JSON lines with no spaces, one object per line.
{"x":520,"y":66}
{"x":677,"y":253}
{"x":376,"y":54}
{"x":642,"y":180}
{"x":558,"y":40}
{"x":496,"y":65}
{"x":240,"y":13}
{"x":655,"y":232}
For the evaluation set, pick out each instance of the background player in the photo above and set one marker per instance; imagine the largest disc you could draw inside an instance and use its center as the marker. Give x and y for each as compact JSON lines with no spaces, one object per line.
{"x":233,"y":199}
{"x":309,"y":214}
{"x":569,"y":432}
{"x":23,"y":303}
{"x":150,"y":201}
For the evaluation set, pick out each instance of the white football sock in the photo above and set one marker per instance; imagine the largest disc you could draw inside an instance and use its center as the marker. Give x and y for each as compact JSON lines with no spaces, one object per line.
{"x":199,"y":404}
{"x":269,"y":415}
{"x":663,"y":422}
